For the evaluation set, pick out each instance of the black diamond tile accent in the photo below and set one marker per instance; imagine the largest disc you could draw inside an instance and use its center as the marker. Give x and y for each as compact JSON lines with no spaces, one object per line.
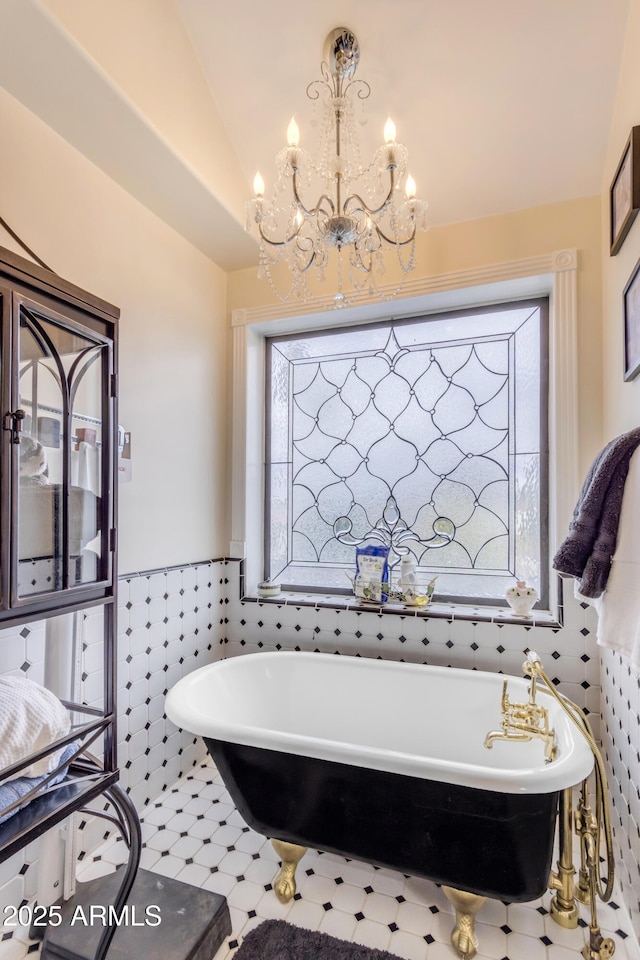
{"x":622,"y":934}
{"x":310,"y":872}
{"x":252,"y":914}
{"x":546,"y":941}
{"x":359,"y":916}
{"x":327,"y":906}
{"x":505,"y":928}
{"x":338,"y":880}
{"x":401,"y":899}
{"x":368,"y":889}
{"x":433,"y":909}
{"x":429,"y":939}
{"x":233,"y":944}
{"x":393,"y":927}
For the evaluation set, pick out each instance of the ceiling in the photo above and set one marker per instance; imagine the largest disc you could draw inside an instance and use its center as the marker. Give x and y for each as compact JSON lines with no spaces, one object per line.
{"x":502,"y":105}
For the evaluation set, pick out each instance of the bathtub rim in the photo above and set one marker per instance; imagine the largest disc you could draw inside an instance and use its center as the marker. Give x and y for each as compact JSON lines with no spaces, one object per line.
{"x":574,"y":764}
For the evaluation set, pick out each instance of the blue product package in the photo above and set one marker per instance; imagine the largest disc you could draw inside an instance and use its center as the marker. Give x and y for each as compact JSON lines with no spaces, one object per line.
{"x":372,"y":574}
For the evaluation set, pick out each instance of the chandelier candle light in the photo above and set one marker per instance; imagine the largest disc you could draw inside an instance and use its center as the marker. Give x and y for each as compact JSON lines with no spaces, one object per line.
{"x":361,"y":212}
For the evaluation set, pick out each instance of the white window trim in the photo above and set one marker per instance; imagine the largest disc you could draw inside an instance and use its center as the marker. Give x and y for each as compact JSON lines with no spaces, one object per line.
{"x":553,"y":275}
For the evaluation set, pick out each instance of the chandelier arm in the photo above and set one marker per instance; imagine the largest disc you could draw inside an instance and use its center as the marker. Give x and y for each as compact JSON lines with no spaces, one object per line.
{"x":391,"y":241}
{"x":318,"y":207}
{"x":273,"y":243}
{"x":283,"y":243}
{"x":310,"y":263}
{"x":385,"y":203}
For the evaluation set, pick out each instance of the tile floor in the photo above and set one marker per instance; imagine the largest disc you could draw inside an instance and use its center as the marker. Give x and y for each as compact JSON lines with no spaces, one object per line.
{"x":194,"y":833}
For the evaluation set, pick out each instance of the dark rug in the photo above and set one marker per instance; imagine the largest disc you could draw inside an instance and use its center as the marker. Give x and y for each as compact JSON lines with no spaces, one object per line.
{"x":279,"y":940}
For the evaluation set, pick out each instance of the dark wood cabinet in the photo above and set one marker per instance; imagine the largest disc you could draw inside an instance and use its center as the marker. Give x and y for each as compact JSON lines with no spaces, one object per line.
{"x":58,"y":440}
{"x":58,"y":472}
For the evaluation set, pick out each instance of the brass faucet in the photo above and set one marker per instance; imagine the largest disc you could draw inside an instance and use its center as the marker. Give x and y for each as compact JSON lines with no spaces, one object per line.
{"x":524,"y":721}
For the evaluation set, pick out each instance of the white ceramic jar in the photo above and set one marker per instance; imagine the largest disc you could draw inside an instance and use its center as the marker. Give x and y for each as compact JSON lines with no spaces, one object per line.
{"x":521,"y":598}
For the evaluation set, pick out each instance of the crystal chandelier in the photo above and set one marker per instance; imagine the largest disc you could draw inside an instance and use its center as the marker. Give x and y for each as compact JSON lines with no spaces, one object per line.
{"x":361,"y":212}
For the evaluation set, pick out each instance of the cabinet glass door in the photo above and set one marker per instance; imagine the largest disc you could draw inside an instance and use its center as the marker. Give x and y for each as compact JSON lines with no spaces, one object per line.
{"x":61,"y":392}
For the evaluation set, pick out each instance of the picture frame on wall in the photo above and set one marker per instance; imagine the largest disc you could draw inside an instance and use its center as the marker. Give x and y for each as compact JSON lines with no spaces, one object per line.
{"x":624,"y":194}
{"x":631,"y":314}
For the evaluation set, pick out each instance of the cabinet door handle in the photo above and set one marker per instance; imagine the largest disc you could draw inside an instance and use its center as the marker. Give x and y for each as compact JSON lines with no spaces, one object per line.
{"x":13,"y":422}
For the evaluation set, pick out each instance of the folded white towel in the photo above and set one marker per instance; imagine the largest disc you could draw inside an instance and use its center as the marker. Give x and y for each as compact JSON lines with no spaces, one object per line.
{"x":619,"y":606}
{"x":31,"y":717}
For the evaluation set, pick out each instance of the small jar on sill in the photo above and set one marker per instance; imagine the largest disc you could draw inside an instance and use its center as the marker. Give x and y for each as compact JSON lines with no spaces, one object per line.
{"x":521,"y":598}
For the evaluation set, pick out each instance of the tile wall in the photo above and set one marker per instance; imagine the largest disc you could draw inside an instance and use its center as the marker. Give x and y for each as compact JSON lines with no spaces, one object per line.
{"x":172,"y":621}
{"x":621,"y":747}
{"x":168,"y":624}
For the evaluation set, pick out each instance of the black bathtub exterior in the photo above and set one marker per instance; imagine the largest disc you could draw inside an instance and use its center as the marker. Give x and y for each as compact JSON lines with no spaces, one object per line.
{"x":493,"y":844}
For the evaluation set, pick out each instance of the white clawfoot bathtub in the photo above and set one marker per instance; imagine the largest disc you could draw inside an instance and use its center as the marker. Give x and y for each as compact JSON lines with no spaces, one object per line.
{"x":403,"y":718}
{"x":386,"y":762}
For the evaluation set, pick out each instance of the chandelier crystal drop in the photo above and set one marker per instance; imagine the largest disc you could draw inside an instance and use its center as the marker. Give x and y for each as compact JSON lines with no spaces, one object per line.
{"x":363,"y":213}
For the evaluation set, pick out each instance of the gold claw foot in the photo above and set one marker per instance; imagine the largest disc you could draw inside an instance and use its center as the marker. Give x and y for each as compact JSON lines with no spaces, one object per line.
{"x":464,"y":937}
{"x":290,"y":854}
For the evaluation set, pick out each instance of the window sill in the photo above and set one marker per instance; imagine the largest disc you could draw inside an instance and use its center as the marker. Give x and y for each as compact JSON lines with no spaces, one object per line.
{"x":434,"y":611}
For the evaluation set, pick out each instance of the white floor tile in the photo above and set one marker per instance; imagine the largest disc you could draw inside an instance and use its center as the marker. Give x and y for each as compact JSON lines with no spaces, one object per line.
{"x":410,"y":917}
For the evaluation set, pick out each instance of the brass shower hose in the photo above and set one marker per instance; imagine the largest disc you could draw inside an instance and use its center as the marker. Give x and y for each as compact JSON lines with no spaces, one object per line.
{"x":602,"y":816}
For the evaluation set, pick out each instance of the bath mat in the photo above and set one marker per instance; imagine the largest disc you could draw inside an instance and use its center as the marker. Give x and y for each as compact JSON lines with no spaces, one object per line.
{"x":279,"y":940}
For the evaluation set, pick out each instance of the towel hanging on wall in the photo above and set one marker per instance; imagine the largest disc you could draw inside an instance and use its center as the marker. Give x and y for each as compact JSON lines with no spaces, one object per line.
{"x":619,"y":606}
{"x":587,"y":551}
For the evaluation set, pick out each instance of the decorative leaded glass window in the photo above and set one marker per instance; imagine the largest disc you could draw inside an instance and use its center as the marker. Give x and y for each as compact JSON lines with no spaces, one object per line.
{"x":428,"y":434}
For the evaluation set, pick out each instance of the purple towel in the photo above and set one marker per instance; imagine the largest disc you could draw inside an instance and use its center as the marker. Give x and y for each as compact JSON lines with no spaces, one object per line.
{"x":587,"y":551}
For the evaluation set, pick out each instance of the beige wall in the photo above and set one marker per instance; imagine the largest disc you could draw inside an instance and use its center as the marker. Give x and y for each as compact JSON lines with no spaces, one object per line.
{"x":621,"y":400}
{"x":144,"y":49}
{"x":172,"y":335}
{"x":512,"y":236}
